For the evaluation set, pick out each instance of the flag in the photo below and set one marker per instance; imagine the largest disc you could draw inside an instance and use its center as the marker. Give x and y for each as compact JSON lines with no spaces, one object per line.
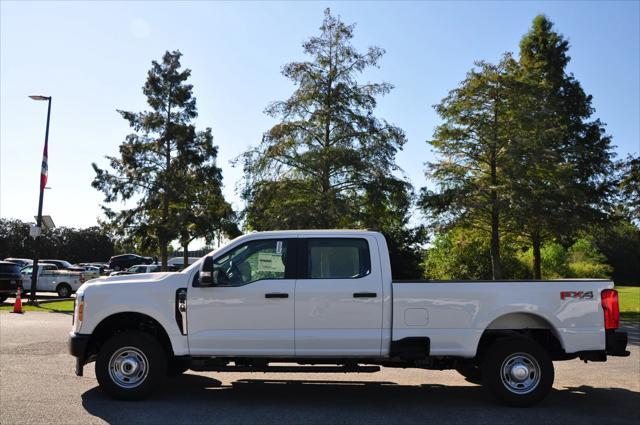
{"x":45,"y":167}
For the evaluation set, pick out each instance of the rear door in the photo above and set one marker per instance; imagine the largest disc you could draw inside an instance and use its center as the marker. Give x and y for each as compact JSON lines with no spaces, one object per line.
{"x":338,"y":298}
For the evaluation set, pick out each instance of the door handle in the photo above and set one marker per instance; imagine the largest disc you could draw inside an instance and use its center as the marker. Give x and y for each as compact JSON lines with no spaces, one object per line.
{"x":365,"y":295}
{"x":276,"y":295}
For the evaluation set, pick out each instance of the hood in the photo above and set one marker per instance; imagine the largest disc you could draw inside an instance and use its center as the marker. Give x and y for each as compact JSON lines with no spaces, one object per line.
{"x":129,"y":278}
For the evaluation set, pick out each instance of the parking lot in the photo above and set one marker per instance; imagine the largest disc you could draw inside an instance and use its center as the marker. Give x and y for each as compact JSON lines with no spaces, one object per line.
{"x":37,"y":385}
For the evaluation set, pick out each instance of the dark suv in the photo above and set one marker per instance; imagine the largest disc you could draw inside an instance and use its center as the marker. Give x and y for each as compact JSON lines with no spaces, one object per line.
{"x":64,"y":265}
{"x":123,"y":262}
{"x":10,"y":278}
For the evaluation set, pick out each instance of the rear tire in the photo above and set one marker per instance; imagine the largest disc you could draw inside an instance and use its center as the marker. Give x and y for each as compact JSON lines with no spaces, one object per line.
{"x":131,"y":365}
{"x":517,"y":371}
{"x":64,"y":290}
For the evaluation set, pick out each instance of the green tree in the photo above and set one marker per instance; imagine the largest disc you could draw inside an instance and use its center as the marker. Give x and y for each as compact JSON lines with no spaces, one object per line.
{"x":629,"y":186}
{"x":463,"y":253}
{"x":149,"y":170}
{"x":201,"y":211}
{"x":329,"y":162}
{"x":66,"y":243}
{"x":561,"y":158}
{"x":472,"y":145}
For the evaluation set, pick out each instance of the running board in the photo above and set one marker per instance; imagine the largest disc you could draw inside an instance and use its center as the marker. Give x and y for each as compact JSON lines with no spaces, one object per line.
{"x":203,"y":367}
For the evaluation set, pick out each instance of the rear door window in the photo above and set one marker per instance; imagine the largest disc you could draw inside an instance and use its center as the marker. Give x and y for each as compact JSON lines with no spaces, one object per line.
{"x":338,"y":258}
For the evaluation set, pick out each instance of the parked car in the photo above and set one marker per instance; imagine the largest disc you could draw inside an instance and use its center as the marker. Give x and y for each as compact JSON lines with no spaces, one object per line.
{"x":21,"y":262}
{"x":91,"y":272}
{"x":328,"y":298}
{"x":123,"y":262}
{"x":64,"y":265}
{"x":102,"y":267}
{"x":139,"y":268}
{"x":50,"y":279}
{"x":177,"y":263}
{"x":10,"y":278}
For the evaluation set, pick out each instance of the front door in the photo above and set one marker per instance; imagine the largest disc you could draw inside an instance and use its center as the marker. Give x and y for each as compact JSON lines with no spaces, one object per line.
{"x":338,"y":309}
{"x":250,"y":309}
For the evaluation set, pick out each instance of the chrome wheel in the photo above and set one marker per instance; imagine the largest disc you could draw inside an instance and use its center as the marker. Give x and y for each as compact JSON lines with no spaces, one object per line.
{"x":128,"y":367}
{"x":520,"y":373}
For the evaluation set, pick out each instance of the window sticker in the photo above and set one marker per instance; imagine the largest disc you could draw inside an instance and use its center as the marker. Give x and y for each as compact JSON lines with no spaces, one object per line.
{"x":279,"y":247}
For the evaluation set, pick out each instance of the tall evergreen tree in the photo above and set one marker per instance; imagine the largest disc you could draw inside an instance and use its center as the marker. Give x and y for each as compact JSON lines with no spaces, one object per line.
{"x":201,"y":211}
{"x":151,"y":167}
{"x":329,"y":162}
{"x":561,"y":158}
{"x":472,"y":145}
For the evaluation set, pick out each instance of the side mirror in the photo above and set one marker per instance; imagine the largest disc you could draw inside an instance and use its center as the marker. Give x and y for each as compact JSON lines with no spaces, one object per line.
{"x":206,"y":272}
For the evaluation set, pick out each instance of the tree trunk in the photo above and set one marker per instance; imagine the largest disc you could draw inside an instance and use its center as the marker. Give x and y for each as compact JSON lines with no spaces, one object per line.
{"x":496,"y":263}
{"x":165,"y":196}
{"x":537,"y":267}
{"x":185,"y":255}
{"x":163,"y":254}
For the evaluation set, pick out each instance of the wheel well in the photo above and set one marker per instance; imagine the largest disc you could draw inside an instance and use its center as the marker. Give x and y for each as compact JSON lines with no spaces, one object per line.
{"x":522,"y":324}
{"x":121,"y":322}
{"x":62,"y":283}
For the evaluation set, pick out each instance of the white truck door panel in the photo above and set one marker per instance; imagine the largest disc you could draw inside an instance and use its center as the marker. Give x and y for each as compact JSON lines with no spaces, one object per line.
{"x":241,"y":320}
{"x":338,"y":305}
{"x":251,"y":311}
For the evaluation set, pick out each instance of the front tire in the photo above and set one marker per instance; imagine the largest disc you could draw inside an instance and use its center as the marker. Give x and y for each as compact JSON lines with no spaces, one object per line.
{"x":517,"y":371}
{"x":131,"y":365}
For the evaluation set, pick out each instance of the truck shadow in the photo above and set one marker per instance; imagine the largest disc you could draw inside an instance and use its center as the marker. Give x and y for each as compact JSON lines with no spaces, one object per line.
{"x":200,"y":399}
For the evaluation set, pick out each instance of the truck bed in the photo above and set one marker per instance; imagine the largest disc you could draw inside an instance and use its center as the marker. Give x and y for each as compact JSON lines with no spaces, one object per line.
{"x":454,"y":314}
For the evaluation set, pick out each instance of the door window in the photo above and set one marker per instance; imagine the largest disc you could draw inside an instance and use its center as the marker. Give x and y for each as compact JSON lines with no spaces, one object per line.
{"x":252,"y":261}
{"x":338,"y":258}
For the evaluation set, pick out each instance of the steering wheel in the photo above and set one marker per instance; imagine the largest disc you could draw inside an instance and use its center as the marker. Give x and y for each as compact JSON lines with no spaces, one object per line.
{"x":233,"y":273}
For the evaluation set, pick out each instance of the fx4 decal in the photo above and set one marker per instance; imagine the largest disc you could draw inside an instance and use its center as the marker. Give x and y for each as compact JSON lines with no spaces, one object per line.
{"x":580,"y":295}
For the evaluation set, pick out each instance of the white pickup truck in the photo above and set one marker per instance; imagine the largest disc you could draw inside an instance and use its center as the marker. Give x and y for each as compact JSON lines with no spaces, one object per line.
{"x":51,"y":279}
{"x":319,"y":298}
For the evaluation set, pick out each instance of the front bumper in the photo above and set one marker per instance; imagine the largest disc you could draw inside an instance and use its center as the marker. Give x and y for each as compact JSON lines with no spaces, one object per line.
{"x":78,"y":348}
{"x":616,"y":343}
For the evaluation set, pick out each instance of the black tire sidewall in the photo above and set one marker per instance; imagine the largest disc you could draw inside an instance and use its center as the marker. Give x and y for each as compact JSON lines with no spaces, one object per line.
{"x":64,"y":286}
{"x":156,"y":356}
{"x":492,"y":363}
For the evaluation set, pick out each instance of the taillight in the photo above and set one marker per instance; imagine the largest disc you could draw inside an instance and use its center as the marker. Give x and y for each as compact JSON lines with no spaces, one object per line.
{"x":611,"y":309}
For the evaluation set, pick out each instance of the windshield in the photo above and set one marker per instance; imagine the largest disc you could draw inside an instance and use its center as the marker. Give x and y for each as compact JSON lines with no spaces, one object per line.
{"x":196,"y":265}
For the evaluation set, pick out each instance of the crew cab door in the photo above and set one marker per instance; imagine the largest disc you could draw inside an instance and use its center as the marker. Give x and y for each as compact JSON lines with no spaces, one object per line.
{"x":338,"y":309}
{"x":249,"y":309}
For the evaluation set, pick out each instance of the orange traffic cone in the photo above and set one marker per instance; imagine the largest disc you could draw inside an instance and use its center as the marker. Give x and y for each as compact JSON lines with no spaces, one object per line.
{"x":17,"y":306}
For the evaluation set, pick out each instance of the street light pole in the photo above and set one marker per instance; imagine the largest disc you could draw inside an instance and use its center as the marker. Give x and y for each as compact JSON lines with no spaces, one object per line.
{"x":43,"y":177}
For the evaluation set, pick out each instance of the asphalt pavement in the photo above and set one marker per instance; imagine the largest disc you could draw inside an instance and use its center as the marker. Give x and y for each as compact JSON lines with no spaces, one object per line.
{"x":38,"y":386}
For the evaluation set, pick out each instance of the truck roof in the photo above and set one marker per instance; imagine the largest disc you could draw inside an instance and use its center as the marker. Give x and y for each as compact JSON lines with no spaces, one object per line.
{"x":315,"y":231}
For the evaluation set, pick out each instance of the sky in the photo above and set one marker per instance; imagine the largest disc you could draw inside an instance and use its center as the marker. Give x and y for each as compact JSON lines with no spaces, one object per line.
{"x":93,"y":58}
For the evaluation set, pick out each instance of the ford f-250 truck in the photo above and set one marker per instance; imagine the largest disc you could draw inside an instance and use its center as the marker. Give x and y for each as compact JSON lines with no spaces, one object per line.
{"x":319,"y":298}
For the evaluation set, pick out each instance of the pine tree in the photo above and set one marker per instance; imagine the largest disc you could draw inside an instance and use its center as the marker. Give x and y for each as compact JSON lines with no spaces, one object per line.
{"x":151,"y":168}
{"x":472,"y":145}
{"x":561,"y":159}
{"x":329,"y":162}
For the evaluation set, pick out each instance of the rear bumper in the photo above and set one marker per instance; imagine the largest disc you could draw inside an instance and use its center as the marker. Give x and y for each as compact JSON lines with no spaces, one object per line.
{"x":78,"y":348}
{"x":616,"y":344}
